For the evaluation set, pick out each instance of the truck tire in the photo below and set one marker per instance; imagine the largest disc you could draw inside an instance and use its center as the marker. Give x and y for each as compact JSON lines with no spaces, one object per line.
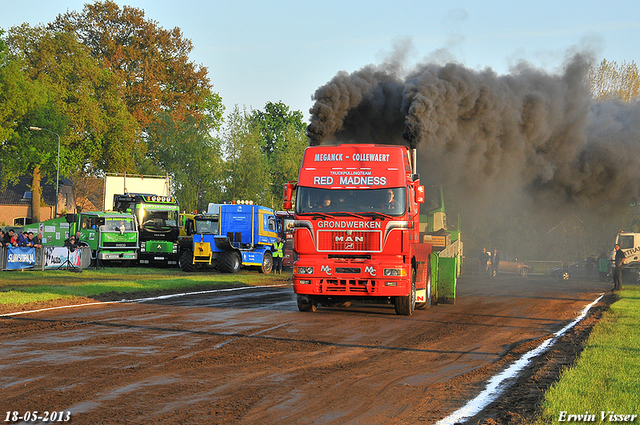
{"x":186,"y":261}
{"x":406,"y":305}
{"x":427,"y":303}
{"x":230,"y":262}
{"x":305,"y":304}
{"x":267,"y":263}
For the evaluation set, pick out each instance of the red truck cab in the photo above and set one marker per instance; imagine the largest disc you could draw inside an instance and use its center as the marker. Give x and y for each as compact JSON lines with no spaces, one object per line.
{"x":357,"y":228}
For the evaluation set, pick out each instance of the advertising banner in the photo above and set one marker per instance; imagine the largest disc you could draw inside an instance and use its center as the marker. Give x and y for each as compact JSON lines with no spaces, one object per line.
{"x":57,"y":256}
{"x":20,"y":258}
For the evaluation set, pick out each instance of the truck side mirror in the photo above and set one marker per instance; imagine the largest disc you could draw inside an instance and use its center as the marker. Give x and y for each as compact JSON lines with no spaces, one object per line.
{"x":420,"y":194}
{"x":288,"y":195}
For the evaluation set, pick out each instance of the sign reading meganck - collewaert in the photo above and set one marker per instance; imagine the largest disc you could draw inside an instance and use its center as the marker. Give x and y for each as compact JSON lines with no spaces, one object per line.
{"x":359,"y":168}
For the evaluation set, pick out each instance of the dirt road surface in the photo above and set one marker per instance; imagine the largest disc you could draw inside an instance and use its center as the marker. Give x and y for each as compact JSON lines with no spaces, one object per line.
{"x":248,"y":356}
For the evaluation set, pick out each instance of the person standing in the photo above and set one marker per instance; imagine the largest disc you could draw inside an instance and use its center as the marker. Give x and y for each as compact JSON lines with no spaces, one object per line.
{"x":278,"y":248}
{"x":618,"y":261}
{"x":495,"y":262}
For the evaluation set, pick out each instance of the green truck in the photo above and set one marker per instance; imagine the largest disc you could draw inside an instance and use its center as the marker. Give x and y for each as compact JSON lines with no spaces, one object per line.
{"x":158,"y":226}
{"x":112,"y":236}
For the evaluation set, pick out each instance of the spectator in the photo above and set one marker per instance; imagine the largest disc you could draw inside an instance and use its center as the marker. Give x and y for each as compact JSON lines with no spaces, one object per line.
{"x":495,"y":263}
{"x":29,"y":241}
{"x":80,"y":242}
{"x":14,"y":238}
{"x":71,"y":243}
{"x":6,"y":241}
{"x":22,"y":239}
{"x":618,"y":262}
{"x":37,"y":240}
{"x":2,"y":236}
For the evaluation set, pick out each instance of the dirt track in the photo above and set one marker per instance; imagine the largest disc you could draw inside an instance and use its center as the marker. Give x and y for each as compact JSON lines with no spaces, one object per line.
{"x":248,"y":356}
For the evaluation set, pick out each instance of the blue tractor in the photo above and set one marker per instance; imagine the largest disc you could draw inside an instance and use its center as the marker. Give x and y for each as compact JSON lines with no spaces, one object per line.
{"x":231,"y":236}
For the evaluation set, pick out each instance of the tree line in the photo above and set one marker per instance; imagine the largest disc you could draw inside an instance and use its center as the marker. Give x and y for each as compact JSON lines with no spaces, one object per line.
{"x":121,"y":93}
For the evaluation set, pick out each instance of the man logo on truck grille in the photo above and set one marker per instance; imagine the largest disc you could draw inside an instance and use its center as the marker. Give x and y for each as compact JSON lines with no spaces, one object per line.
{"x":370,"y":270}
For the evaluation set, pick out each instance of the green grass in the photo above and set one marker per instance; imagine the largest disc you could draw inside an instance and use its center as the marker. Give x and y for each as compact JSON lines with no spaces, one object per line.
{"x":606,"y":377}
{"x":18,"y":288}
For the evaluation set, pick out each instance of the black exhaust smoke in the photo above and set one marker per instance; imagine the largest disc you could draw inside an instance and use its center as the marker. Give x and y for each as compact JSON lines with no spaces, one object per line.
{"x":528,"y":136}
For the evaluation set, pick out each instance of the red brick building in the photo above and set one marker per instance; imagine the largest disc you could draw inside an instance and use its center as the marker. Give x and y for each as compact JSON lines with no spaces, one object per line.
{"x":15,"y":202}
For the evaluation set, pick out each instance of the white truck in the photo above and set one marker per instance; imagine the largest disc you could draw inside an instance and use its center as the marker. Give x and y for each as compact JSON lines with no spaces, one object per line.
{"x":630,"y":245}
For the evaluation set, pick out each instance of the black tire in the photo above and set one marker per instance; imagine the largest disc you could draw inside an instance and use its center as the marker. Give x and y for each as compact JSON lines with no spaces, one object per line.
{"x":230,"y":262}
{"x":305,"y":304}
{"x":523,"y":272}
{"x":186,"y":261}
{"x":267,"y":263}
{"x":406,"y":305}
{"x":427,"y":304}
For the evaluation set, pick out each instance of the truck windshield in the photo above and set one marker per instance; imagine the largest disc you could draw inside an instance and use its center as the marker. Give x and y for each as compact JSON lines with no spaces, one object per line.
{"x":390,"y":201}
{"x":207,"y":226}
{"x":117,"y":224}
{"x":158,"y":219}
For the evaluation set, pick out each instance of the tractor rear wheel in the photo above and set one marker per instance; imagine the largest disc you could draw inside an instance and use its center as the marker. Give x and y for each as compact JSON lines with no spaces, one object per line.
{"x":186,"y":261}
{"x":230,"y":262}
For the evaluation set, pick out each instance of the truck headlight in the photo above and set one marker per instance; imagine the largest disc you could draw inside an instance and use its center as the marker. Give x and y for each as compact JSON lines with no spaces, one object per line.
{"x":303,"y":270}
{"x":394,"y":272}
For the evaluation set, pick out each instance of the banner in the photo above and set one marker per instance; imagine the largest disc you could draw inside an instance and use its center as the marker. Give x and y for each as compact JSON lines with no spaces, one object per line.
{"x":57,"y":256}
{"x":20,"y":258}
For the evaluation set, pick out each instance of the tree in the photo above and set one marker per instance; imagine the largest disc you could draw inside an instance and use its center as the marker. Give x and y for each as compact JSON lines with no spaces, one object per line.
{"x":246,"y":167}
{"x":283,"y":140}
{"x":20,"y":101}
{"x":78,"y":100}
{"x":151,"y":64}
{"x":191,"y":155}
{"x":608,"y":80}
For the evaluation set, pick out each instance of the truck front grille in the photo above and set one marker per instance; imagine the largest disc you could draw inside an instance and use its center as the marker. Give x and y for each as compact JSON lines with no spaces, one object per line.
{"x":348,"y":270}
{"x":349,"y":241}
{"x":346,"y":286}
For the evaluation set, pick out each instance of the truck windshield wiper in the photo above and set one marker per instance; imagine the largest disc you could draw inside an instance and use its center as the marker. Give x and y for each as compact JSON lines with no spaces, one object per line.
{"x":379,"y":214}
{"x":351,"y":214}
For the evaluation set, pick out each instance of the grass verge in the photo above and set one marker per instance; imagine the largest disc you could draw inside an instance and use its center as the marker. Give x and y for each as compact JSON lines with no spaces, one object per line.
{"x":20,"y":288}
{"x":605,"y":380}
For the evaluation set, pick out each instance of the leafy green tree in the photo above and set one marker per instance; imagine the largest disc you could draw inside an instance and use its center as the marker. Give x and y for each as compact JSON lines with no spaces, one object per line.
{"x":283,"y":140}
{"x":192,"y":156}
{"x":246,"y":167}
{"x":23,"y":100}
{"x":80,"y":102}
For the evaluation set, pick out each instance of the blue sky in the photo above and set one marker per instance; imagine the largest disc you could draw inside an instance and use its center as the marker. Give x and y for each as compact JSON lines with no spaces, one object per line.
{"x":270,"y":51}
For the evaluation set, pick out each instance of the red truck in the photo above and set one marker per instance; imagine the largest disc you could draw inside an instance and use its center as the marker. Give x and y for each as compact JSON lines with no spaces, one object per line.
{"x":357,"y":231}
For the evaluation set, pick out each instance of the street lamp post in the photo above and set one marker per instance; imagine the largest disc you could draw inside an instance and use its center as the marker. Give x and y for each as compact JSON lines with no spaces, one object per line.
{"x":57,"y":168}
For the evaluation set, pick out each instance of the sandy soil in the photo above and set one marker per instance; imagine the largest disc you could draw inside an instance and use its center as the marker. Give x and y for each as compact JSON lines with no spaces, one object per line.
{"x":247,"y":356}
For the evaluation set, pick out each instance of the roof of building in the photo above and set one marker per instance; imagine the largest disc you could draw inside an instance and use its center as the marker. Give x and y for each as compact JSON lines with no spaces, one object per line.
{"x":20,"y":193}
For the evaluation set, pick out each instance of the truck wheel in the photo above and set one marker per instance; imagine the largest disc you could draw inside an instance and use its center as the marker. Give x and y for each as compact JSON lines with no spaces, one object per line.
{"x":427,"y":303}
{"x":305,"y":304}
{"x":230,"y":262}
{"x":186,"y":262}
{"x":267,"y":263}
{"x":405,"y":305}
